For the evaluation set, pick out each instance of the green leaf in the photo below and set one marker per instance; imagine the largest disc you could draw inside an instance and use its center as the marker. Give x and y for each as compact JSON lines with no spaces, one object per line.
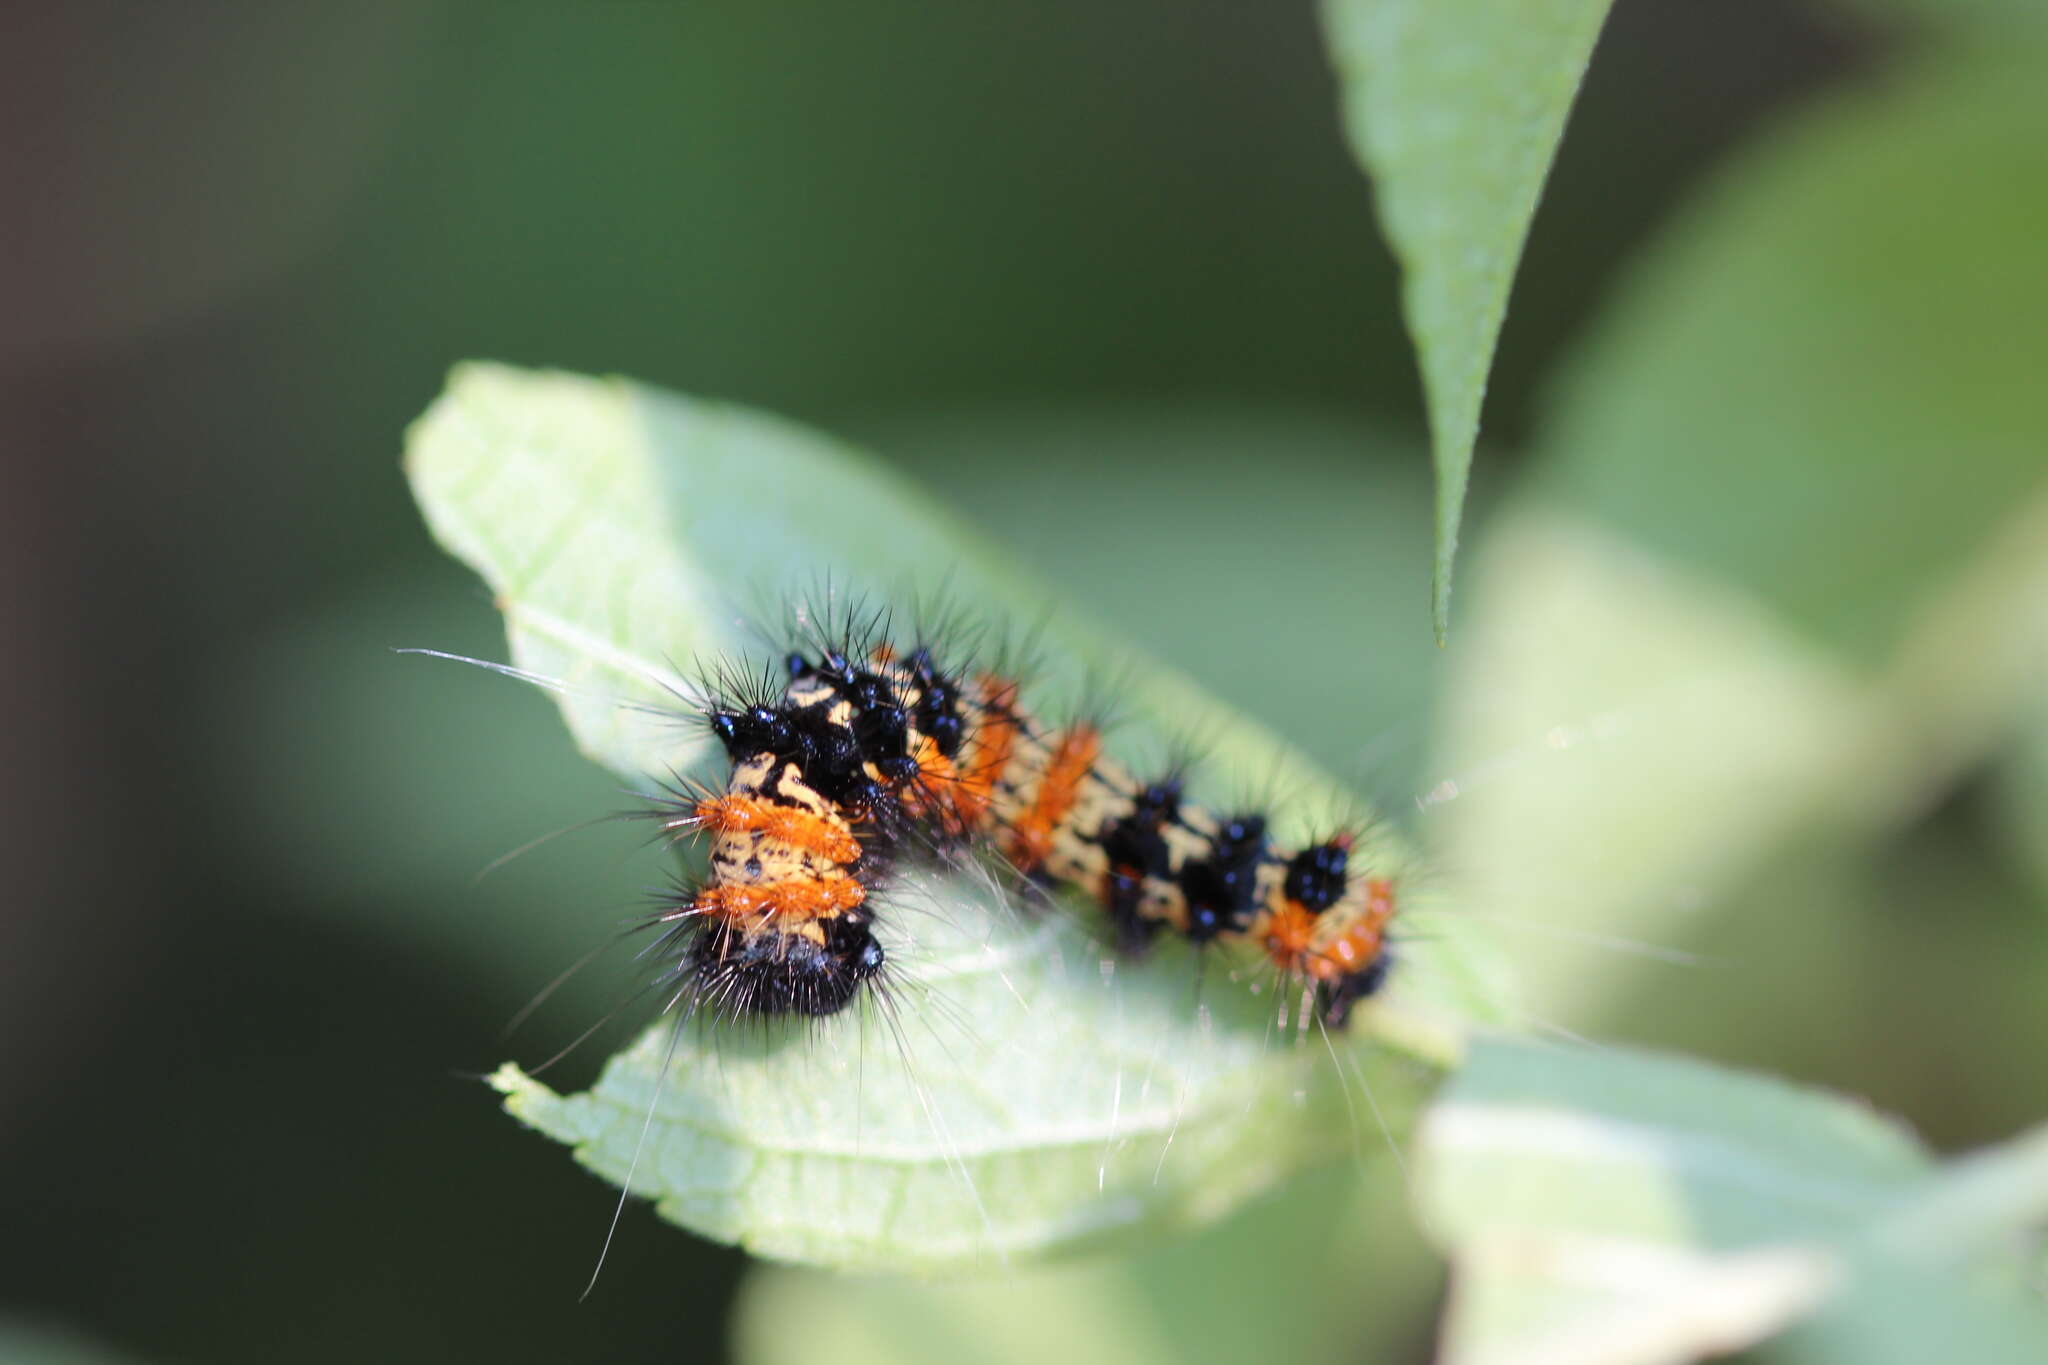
{"x":1600,"y":1204}
{"x":1822,"y":387}
{"x":1015,"y":1094}
{"x":1456,"y":108}
{"x":1021,"y":1102}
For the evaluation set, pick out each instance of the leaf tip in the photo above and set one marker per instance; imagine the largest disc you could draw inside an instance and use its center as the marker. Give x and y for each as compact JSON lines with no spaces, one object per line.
{"x":1440,"y":576}
{"x":522,"y":1092}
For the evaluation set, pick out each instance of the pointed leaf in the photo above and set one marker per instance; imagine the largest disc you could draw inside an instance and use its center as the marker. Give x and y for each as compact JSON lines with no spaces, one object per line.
{"x":1456,"y":108}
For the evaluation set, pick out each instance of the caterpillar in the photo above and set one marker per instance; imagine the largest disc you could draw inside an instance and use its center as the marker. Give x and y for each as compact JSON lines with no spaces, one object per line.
{"x":866,"y":753}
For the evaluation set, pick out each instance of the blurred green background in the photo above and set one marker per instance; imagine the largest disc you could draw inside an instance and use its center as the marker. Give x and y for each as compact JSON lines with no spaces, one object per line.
{"x":1746,"y":672}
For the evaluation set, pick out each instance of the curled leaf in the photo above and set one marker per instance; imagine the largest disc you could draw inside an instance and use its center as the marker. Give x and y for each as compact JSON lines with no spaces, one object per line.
{"x":1013,"y":1093}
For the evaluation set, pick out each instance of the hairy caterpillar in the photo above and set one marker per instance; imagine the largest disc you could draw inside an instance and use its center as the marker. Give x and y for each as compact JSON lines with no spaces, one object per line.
{"x":866,"y":752}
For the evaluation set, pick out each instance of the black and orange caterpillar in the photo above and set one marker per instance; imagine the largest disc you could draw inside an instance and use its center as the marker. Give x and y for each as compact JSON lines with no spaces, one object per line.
{"x":867,"y":754}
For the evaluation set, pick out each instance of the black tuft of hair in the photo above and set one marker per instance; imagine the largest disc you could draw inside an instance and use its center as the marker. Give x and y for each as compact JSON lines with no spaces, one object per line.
{"x":766,"y":973}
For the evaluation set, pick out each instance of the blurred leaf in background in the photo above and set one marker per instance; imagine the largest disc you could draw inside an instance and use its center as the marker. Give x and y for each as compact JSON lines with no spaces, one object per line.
{"x":1821,"y":386}
{"x":437,"y":848}
{"x":1629,"y":1208}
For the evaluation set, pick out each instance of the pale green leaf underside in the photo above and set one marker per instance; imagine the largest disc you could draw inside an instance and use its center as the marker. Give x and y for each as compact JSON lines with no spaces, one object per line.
{"x":1049,"y":1101}
{"x":1456,"y":108}
{"x":1603,"y":1205}
{"x":1018,"y":1099}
